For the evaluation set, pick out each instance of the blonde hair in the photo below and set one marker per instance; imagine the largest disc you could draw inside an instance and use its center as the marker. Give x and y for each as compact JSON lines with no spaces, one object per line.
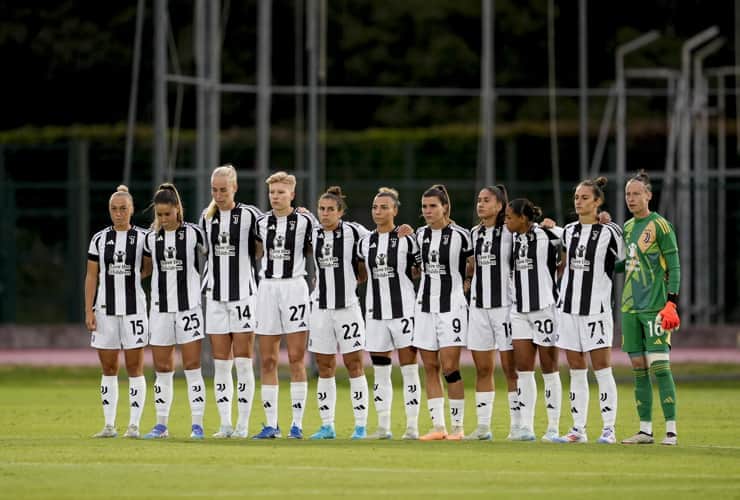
{"x":167,"y":195}
{"x":389,"y":193}
{"x":227,"y":171}
{"x":283,"y":177}
{"x":122,"y":190}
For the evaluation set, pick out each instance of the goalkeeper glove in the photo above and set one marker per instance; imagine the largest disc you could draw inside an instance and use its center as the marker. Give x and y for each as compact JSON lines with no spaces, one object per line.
{"x":668,"y":317}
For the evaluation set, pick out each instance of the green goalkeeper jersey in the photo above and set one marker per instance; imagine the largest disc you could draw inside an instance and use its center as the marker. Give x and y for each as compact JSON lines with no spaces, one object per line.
{"x":652,"y":268}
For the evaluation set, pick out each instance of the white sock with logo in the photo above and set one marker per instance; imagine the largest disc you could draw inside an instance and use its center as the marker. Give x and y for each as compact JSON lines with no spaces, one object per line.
{"x":109,"y":398}
{"x":223,"y":388}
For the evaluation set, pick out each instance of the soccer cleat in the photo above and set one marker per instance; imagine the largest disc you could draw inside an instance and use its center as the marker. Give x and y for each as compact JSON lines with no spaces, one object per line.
{"x":158,"y":432}
{"x":514,"y":433}
{"x":225,"y":432}
{"x":132,"y":431}
{"x":438,"y":433}
{"x":411,"y":434}
{"x":108,"y":432}
{"x":607,"y":436}
{"x":481,"y":433}
{"x":240,"y":433}
{"x":360,"y":432}
{"x":324,"y":432}
{"x":380,"y":433}
{"x":639,"y":438}
{"x":295,"y":432}
{"x":551,"y":436}
{"x":456,"y":434}
{"x":196,"y":432}
{"x":524,"y":434}
{"x":670,"y":439}
{"x":268,"y":432}
{"x":574,"y":436}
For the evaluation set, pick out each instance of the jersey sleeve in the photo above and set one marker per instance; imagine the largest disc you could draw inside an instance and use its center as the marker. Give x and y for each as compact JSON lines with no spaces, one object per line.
{"x":93,"y":254}
{"x":200,"y":240}
{"x":414,"y":250}
{"x":669,"y":247}
{"x":258,"y":228}
{"x":360,"y":252}
{"x":466,"y":243}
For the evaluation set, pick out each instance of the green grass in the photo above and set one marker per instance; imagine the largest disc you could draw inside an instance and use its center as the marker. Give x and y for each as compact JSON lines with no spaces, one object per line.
{"x":47,"y":416}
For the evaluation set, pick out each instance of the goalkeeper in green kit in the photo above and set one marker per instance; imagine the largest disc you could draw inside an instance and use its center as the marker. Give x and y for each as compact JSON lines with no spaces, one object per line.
{"x":649,"y":307}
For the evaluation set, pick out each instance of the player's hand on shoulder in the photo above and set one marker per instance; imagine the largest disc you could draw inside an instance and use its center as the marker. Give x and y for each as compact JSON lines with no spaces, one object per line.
{"x":405,"y":230}
{"x":604,"y":217}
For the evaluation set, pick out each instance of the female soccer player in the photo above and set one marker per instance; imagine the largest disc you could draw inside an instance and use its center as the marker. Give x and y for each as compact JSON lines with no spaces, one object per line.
{"x":649,"y":307}
{"x":585,"y":323}
{"x":442,"y":310}
{"x":117,"y":320}
{"x":283,"y":305}
{"x":230,"y":230}
{"x":534,"y":261}
{"x":490,"y":300}
{"x":389,"y":312}
{"x":175,"y":312}
{"x":336,"y":318}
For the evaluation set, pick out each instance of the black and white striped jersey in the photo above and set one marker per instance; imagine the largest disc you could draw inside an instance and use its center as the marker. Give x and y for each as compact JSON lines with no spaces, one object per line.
{"x":119,"y":254}
{"x":231,"y":237}
{"x":492,"y":252}
{"x":335,"y":259}
{"x":285,"y":241}
{"x":389,"y":259}
{"x":592,"y":251}
{"x":443,"y":258}
{"x":176,"y":275}
{"x":535,"y":258}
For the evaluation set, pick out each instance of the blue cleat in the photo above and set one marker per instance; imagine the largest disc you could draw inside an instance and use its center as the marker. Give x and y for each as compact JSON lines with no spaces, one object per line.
{"x":268,"y":432}
{"x":295,"y":432}
{"x":158,"y":432}
{"x":360,"y":432}
{"x":197,"y":432}
{"x":324,"y":432}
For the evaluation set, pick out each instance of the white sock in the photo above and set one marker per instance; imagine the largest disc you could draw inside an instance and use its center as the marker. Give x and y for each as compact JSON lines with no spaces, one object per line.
{"x":514,"y":413}
{"x":109,"y":398}
{"x":484,"y":407}
{"x":527,"y":398}
{"x":646,"y":427}
{"x":457,"y":412}
{"x":411,"y":394}
{"x":270,"y":404}
{"x":298,"y":392}
{"x":359,"y":390}
{"x":223,"y":387}
{"x":245,"y":391}
{"x":163,"y":396}
{"x":136,"y":398}
{"x":553,"y":399}
{"x":383,"y":394}
{"x":196,"y":394}
{"x":579,"y":398}
{"x":607,"y":396}
{"x":326,"y":394}
{"x":670,"y":426}
{"x":436,"y":411}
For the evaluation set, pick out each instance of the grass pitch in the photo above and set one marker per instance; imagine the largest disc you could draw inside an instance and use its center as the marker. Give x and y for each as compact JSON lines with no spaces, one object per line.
{"x":47,"y":416}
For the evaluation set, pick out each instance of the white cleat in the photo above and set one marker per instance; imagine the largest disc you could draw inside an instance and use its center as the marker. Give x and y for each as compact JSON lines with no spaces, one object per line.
{"x":481,"y":433}
{"x":380,"y":433}
{"x":551,"y":436}
{"x":411,"y":434}
{"x":608,"y":436}
{"x":574,"y":436}
{"x":132,"y":432}
{"x":639,"y":438}
{"x":108,"y":432}
{"x":240,"y":433}
{"x":670,"y":439}
{"x":224,"y":432}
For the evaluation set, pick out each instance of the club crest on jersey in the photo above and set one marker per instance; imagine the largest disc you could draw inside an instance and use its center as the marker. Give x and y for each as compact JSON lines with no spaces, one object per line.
{"x":394,"y":242}
{"x":132,"y":239}
{"x":224,"y":248}
{"x":181,"y":235}
{"x":119,"y":267}
{"x":235,"y":219}
{"x":446,"y":239}
{"x":291,"y":225}
{"x":594,"y":235}
{"x":170,"y":262}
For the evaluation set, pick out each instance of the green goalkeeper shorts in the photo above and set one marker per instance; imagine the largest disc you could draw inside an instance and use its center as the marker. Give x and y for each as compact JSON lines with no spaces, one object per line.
{"x":641,"y":333}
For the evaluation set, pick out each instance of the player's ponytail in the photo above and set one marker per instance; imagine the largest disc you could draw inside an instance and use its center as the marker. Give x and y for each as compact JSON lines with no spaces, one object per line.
{"x":525,"y":208}
{"x":227,"y":171}
{"x":389,"y":193}
{"x":335,"y":193}
{"x":122,"y":190}
{"x":642,"y":176}
{"x":597,"y":187}
{"x":167,"y":195}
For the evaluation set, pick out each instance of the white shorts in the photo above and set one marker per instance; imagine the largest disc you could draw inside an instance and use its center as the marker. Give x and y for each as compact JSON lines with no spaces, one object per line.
{"x":283,"y":306}
{"x":436,"y":330}
{"x":230,"y":317}
{"x":384,"y":335}
{"x":120,"y":332}
{"x":332,"y":327}
{"x":585,"y":333}
{"x":176,"y":328}
{"x":538,"y":326}
{"x":489,"y":329}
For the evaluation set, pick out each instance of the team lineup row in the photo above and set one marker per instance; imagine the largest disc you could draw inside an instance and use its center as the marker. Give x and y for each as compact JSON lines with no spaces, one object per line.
{"x":510,"y":284}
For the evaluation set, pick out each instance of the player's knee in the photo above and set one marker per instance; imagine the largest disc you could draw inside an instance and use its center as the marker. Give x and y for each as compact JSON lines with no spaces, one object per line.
{"x":453,"y":377}
{"x":661,"y":358}
{"x":380,"y":360}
